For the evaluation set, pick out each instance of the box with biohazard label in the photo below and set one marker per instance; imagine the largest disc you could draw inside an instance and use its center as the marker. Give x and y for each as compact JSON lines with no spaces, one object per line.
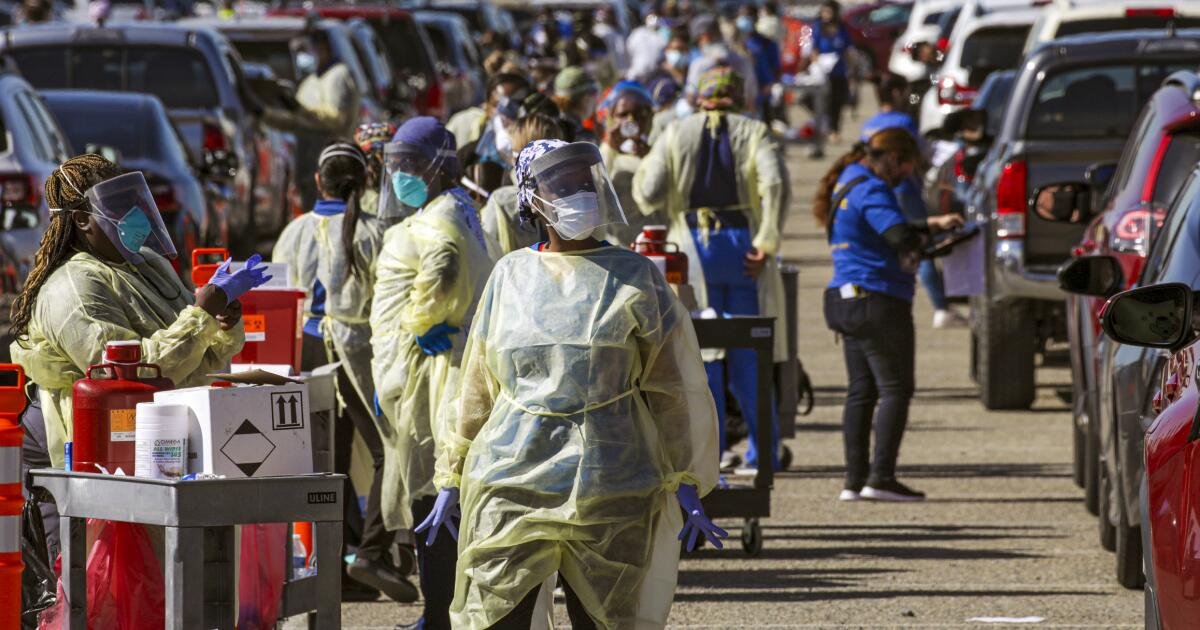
{"x":257,"y":427}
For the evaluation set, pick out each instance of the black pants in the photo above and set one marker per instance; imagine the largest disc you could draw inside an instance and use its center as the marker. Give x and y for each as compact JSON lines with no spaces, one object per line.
{"x":879,"y":347}
{"x":521,"y":617}
{"x":839,"y":95}
{"x":366,"y":532}
{"x":437,"y":564}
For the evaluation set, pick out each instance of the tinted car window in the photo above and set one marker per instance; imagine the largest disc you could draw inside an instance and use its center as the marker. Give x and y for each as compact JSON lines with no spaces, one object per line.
{"x":991,"y":49}
{"x":42,"y":145}
{"x":932,"y":19}
{"x":993,"y":99}
{"x":889,"y":15}
{"x":1123,"y":24}
{"x":1178,"y":162}
{"x":1132,"y":152}
{"x":1164,"y":243}
{"x":277,"y":55}
{"x":1095,"y":102}
{"x":1182,"y":260}
{"x":405,"y":46}
{"x":137,"y":132}
{"x":178,"y":76}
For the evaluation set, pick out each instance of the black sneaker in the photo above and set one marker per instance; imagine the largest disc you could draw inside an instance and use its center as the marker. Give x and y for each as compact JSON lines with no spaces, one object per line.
{"x":890,"y":490}
{"x":384,"y":577}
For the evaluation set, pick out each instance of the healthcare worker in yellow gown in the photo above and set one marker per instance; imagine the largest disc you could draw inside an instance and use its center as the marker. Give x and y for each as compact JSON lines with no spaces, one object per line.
{"x":101,"y":274}
{"x":720,"y":178}
{"x":430,"y":272}
{"x":584,"y":422}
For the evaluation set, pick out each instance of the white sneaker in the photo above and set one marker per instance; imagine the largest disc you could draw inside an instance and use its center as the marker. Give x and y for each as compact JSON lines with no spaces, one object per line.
{"x":943,"y":319}
{"x":730,"y":460}
{"x":893,"y":491}
{"x":849,"y":495}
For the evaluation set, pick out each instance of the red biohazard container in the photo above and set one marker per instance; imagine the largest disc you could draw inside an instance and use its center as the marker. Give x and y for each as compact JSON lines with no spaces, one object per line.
{"x":652,"y":243}
{"x":12,"y":403}
{"x":103,"y":407}
{"x":273,"y":318}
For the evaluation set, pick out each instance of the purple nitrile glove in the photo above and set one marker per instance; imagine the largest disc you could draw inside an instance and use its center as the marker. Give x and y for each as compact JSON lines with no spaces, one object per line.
{"x":697,"y":522}
{"x":444,"y":509}
{"x":236,"y":284}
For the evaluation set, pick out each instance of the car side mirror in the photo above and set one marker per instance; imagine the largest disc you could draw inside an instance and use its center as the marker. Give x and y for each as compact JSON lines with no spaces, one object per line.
{"x":1099,"y":276}
{"x":1064,"y":202}
{"x":1158,"y":316}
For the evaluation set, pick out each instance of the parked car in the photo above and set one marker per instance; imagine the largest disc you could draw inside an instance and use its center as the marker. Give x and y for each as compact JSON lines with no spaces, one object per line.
{"x":1072,"y":106}
{"x":394,"y":96}
{"x":482,"y":16}
{"x":1063,"y":18}
{"x":197,"y":75}
{"x":1111,"y":383}
{"x":922,"y":29}
{"x":135,"y":130}
{"x":457,"y":58}
{"x":410,"y":53}
{"x":1169,"y":507}
{"x":979,"y":46}
{"x":31,"y":147}
{"x":873,"y":29}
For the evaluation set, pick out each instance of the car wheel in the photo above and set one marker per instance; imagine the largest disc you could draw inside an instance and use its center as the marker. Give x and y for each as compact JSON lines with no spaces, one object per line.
{"x":1130,"y":572}
{"x":1108,"y":532}
{"x":1007,"y":348}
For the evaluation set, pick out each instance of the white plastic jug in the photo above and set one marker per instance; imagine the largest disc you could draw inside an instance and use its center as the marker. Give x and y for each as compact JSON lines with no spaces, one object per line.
{"x":161,"y":441}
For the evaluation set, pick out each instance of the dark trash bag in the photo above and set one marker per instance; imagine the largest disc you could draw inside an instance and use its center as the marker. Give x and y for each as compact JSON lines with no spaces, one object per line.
{"x":38,"y":583}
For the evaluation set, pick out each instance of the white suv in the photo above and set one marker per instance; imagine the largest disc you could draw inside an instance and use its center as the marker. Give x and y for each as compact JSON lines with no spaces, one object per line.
{"x":1065,"y":17}
{"x":922,"y":28}
{"x":979,"y":45}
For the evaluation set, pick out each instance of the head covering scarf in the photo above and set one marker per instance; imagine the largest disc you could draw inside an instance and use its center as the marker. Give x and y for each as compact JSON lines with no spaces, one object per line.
{"x":372,"y":136}
{"x":531,"y":152}
{"x":429,"y":136}
{"x":720,"y":89}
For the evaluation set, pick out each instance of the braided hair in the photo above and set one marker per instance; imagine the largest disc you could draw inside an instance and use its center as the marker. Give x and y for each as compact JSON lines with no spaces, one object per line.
{"x":64,"y":191}
{"x":343,"y":170}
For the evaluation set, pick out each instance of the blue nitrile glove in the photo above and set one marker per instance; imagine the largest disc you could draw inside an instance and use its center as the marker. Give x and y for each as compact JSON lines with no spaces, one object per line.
{"x":375,"y":403}
{"x":236,"y":284}
{"x":436,"y":340}
{"x":697,"y":522}
{"x":445,"y":509}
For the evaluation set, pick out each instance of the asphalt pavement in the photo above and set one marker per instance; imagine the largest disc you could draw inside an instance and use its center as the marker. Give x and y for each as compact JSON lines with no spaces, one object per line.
{"x":1004,"y":532}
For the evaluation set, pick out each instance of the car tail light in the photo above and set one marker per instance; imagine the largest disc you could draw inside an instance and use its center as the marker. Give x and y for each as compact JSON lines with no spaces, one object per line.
{"x":214,"y":138}
{"x":1011,"y":200}
{"x":951,"y":93}
{"x":1134,"y":230}
{"x":434,"y":98}
{"x":1161,"y":12}
{"x":18,"y":189}
{"x":943,"y":44}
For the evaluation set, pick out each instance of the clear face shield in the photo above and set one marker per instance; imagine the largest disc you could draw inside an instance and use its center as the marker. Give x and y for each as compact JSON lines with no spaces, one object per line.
{"x":407,"y":171}
{"x":573,"y":191}
{"x":127,"y":214}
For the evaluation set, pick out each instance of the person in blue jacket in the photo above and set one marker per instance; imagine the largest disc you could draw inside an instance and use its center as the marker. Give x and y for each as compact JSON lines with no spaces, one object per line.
{"x":831,"y":45}
{"x":876,"y":250}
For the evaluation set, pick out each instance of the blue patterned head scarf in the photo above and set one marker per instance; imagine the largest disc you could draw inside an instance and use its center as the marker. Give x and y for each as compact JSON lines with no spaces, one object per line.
{"x":525,"y":184}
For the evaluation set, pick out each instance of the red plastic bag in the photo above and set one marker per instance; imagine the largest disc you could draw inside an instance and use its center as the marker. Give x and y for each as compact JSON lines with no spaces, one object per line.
{"x":124,"y":583}
{"x":260,"y":575}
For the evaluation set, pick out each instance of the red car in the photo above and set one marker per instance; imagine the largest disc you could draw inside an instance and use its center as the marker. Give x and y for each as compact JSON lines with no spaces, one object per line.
{"x":874,"y":28}
{"x":1160,"y":316}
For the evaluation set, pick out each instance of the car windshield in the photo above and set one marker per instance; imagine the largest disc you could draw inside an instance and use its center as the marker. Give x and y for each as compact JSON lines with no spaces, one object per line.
{"x":990,"y":49}
{"x":1124,"y":23}
{"x":275,"y":54}
{"x":993,"y":99}
{"x":405,"y":46}
{"x":1096,"y":101}
{"x":178,"y":76}
{"x":137,"y":132}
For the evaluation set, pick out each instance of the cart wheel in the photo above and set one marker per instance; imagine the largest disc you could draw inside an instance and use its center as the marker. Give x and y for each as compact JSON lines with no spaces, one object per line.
{"x":785,"y":457}
{"x":752,"y":541}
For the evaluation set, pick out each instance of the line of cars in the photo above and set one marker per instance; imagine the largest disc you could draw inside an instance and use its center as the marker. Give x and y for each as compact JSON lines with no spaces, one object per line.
{"x":1082,"y":170}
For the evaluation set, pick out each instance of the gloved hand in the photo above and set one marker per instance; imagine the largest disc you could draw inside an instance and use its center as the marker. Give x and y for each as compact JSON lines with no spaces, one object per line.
{"x":436,"y":340}
{"x":445,"y":509}
{"x":697,"y":522}
{"x":235,"y":285}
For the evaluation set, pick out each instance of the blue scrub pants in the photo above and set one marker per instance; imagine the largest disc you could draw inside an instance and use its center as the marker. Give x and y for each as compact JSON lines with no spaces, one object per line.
{"x":732,"y":292}
{"x":931,"y":279}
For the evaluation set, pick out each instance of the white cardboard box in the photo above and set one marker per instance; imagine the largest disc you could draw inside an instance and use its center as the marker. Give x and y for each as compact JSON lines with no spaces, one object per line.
{"x":248,"y":430}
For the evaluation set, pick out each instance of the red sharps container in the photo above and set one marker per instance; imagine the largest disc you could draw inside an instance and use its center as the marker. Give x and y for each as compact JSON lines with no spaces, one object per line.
{"x":652,"y":243}
{"x":103,"y":407}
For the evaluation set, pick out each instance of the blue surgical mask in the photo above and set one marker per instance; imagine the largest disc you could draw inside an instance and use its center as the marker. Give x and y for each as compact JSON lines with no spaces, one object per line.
{"x":675,"y":58}
{"x":410,"y":190}
{"x":134,"y":229}
{"x":744,"y":23}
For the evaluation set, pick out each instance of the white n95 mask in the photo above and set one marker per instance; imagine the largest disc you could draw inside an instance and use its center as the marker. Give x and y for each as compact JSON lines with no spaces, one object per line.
{"x":578,"y":215}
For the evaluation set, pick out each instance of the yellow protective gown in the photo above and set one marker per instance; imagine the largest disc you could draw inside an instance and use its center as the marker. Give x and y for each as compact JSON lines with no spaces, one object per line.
{"x":86,"y":303}
{"x":311,"y":245}
{"x":332,"y":98}
{"x":664,"y":183}
{"x":621,"y":168}
{"x":431,"y":270}
{"x":584,"y":406}
{"x":467,"y":126}
{"x":503,"y":226}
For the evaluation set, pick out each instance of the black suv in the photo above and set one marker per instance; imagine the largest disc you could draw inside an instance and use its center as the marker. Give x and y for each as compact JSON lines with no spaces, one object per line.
{"x":1073,"y":105}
